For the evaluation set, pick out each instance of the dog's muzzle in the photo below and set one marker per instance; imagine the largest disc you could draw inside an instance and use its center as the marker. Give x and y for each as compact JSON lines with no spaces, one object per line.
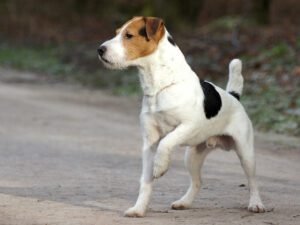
{"x":101,"y":52}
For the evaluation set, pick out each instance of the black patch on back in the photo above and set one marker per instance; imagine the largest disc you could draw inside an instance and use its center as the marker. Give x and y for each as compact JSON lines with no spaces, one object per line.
{"x":143,"y":33}
{"x":234,"y":94}
{"x":171,"y":40}
{"x":212,"y":100}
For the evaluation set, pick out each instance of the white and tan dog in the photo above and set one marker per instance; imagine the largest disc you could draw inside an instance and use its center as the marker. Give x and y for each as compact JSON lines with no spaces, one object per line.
{"x":180,"y":110}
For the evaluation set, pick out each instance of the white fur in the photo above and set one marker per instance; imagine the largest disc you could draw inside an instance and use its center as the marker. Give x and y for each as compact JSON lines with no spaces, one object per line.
{"x":173,"y":115}
{"x":236,"y":79}
{"x":116,"y":54}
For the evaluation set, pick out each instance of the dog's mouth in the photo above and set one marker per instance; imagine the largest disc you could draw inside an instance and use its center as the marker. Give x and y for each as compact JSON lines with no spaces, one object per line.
{"x":105,"y":60}
{"x":110,"y":64}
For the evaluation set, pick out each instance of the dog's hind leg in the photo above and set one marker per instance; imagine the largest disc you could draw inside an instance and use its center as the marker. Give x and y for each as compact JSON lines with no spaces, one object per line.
{"x":194,"y":159}
{"x":245,"y":151}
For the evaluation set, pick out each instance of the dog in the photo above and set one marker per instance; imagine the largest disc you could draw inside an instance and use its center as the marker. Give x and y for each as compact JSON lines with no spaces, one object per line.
{"x":178,"y":109}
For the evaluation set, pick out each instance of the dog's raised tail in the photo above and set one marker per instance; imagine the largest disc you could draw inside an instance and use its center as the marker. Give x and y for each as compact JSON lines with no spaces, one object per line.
{"x":236,"y":80}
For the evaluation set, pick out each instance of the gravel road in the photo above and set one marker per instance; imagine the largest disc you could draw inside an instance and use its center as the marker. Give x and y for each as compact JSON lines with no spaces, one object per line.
{"x":69,"y":155}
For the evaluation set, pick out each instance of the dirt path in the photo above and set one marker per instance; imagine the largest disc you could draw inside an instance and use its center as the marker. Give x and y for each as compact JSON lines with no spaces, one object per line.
{"x":72,"y":156}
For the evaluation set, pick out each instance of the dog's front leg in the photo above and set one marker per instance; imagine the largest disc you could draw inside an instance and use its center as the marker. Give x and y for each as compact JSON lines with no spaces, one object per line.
{"x":162,"y":157}
{"x":151,"y":138}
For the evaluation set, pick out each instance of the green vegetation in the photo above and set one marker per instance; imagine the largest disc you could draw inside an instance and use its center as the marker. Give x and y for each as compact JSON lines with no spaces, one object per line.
{"x":44,"y":60}
{"x":227,"y":23}
{"x":69,"y":62}
{"x":271,"y":105}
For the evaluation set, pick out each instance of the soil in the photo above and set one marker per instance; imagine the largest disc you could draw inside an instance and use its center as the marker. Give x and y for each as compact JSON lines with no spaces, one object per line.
{"x":69,"y":155}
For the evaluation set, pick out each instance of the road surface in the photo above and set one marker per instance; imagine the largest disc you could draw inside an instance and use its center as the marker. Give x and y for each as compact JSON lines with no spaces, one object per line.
{"x":70,"y":155}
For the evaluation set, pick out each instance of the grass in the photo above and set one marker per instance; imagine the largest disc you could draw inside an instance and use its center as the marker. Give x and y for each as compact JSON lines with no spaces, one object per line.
{"x":69,"y":62}
{"x":44,"y":60}
{"x":271,"y":107}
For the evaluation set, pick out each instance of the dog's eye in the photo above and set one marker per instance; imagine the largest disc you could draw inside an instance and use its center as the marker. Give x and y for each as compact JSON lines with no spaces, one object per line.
{"x":128,"y":35}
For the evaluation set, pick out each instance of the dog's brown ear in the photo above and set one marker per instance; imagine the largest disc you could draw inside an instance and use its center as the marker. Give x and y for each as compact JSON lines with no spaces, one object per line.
{"x":155,"y":28}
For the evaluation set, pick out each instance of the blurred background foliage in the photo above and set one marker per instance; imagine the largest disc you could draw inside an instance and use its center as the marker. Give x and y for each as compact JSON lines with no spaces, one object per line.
{"x":58,"y":39}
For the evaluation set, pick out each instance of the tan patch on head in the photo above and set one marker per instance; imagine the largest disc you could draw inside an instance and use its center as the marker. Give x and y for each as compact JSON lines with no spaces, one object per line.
{"x":141,"y":35}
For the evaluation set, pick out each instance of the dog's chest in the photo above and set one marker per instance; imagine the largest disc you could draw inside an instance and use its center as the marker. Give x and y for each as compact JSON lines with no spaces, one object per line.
{"x":161,"y":111}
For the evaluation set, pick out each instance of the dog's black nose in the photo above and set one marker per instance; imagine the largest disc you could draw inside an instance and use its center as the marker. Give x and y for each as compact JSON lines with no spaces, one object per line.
{"x":101,"y":50}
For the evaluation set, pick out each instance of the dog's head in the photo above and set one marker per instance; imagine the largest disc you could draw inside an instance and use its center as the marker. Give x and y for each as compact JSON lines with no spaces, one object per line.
{"x":137,"y":38}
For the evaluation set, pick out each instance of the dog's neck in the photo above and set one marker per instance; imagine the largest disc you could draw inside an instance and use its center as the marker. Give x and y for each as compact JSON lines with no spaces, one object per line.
{"x":163,"y":68}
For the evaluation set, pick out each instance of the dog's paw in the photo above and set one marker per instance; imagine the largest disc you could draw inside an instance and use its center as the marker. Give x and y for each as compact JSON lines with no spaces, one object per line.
{"x":159,"y":171}
{"x":180,"y":205}
{"x":257,"y":208}
{"x":161,"y":165}
{"x":134,"y":212}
